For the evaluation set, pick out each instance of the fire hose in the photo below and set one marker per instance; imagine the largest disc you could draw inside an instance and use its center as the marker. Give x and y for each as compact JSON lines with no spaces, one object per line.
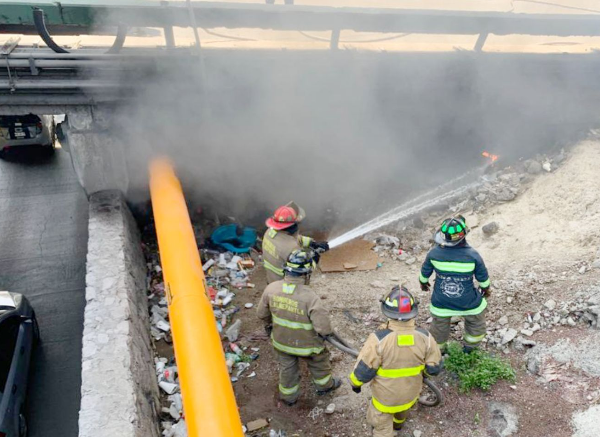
{"x":429,"y":401}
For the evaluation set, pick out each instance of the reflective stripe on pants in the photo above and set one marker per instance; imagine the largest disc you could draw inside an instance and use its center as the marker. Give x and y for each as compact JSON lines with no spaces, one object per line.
{"x":474,"y":329}
{"x":319,"y":367}
{"x":383,"y":423}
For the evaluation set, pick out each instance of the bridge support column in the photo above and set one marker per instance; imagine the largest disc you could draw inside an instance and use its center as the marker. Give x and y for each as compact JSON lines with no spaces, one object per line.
{"x":97,"y":154}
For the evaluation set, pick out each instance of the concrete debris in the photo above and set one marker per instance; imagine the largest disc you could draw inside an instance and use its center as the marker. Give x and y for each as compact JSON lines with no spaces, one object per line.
{"x":550,"y":304}
{"x":490,"y":228}
{"x":547,"y":166}
{"x":330,"y":409}
{"x":503,"y":320}
{"x":410,"y":261}
{"x":533,"y":167}
{"x":586,"y":422}
{"x":378,"y":284}
{"x":503,"y":419}
{"x":387,"y":240}
{"x":509,"y":336}
{"x":417,"y":433}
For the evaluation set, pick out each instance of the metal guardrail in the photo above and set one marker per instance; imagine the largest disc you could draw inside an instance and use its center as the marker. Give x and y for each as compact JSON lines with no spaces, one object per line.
{"x":94,"y":16}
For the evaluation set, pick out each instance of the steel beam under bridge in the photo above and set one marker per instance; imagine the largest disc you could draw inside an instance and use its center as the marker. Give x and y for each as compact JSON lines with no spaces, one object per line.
{"x":92,"y":16}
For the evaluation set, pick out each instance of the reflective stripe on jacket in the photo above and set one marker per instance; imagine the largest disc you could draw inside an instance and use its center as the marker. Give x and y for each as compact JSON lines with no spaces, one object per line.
{"x":276,"y":247}
{"x":392,"y":360}
{"x":297,"y":315}
{"x":454,"y":293}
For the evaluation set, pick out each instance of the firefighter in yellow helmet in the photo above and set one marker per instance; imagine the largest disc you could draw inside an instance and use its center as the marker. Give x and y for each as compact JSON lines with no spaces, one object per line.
{"x":298,"y":324}
{"x":282,"y":238}
{"x":393,"y":360}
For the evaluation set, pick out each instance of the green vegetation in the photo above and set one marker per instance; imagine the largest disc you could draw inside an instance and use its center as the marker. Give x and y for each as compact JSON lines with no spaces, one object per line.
{"x":477,"y":369}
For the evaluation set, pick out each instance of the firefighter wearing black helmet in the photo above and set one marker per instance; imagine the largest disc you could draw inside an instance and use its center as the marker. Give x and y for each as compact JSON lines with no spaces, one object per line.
{"x":455,"y":264}
{"x":298,"y":324}
{"x":393,"y":360}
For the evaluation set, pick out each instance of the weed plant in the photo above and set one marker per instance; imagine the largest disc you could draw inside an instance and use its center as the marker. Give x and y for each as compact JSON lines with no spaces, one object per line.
{"x":478,"y":369}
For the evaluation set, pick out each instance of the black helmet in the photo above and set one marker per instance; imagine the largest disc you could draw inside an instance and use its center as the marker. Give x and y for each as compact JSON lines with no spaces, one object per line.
{"x":452,"y":231}
{"x":399,"y":304}
{"x":300,"y":262}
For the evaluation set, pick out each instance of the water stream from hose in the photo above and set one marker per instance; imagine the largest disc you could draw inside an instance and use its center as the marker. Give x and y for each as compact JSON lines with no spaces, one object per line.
{"x":414,"y":206}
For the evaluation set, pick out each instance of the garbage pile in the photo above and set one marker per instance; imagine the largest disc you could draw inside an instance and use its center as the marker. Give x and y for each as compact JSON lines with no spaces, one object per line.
{"x":227,"y":273}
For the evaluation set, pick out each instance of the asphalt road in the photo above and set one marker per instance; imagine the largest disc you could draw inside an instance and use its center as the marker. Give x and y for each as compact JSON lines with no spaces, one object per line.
{"x":43,"y":246}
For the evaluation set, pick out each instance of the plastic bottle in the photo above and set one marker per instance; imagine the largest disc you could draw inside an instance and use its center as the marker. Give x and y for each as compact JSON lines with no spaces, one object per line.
{"x":236,"y":349}
{"x":233,"y":332}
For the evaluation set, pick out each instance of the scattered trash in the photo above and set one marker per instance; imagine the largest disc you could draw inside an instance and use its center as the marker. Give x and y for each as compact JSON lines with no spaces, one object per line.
{"x":256,"y":425}
{"x":315,"y":413}
{"x":168,"y":387}
{"x":177,"y":430}
{"x":233,"y":331}
{"x":252,"y":375}
{"x":241,"y":368}
{"x":236,"y":349}
{"x":234,"y":238}
{"x":163,"y":326}
{"x":248,"y":305}
{"x":168,"y":374}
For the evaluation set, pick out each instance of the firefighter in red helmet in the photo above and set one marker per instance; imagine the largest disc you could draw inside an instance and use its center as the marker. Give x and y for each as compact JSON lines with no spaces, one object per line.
{"x":282,"y":238}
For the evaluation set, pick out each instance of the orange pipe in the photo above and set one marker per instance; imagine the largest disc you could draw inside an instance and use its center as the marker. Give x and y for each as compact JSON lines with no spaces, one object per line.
{"x":208,"y":398}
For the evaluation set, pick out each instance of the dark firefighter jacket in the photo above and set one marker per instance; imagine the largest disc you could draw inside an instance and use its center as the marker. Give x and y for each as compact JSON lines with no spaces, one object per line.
{"x":454,"y":293}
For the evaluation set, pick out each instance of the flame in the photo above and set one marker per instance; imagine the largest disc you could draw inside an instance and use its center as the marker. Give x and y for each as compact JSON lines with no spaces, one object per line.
{"x":490,"y":156}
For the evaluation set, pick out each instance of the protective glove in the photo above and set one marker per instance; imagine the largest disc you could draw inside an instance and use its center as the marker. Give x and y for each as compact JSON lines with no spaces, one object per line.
{"x":425,"y":286}
{"x":487,"y":292}
{"x":356,"y":389}
{"x":269,"y":329}
{"x":319,"y":246}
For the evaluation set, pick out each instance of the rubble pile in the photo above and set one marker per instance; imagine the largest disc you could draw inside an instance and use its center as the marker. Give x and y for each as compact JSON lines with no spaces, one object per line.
{"x":407,"y":239}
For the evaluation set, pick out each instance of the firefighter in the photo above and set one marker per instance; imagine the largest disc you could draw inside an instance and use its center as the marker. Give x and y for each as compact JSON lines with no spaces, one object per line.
{"x":298,"y":325}
{"x":393,"y":359}
{"x":455,"y":264}
{"x":282,"y":237}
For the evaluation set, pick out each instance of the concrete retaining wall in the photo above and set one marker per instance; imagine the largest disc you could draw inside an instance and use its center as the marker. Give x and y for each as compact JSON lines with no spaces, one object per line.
{"x":119,"y":389}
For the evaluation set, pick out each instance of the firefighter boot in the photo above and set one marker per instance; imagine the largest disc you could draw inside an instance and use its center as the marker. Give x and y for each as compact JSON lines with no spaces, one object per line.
{"x":337,"y":382}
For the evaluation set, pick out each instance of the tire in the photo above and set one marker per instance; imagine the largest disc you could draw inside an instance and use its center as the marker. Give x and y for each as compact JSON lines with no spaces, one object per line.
{"x":433,"y":395}
{"x":36,"y":330}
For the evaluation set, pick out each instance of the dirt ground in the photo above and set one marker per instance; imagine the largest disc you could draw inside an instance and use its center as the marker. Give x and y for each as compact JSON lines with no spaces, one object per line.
{"x":546,"y":235}
{"x":545,"y":254}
